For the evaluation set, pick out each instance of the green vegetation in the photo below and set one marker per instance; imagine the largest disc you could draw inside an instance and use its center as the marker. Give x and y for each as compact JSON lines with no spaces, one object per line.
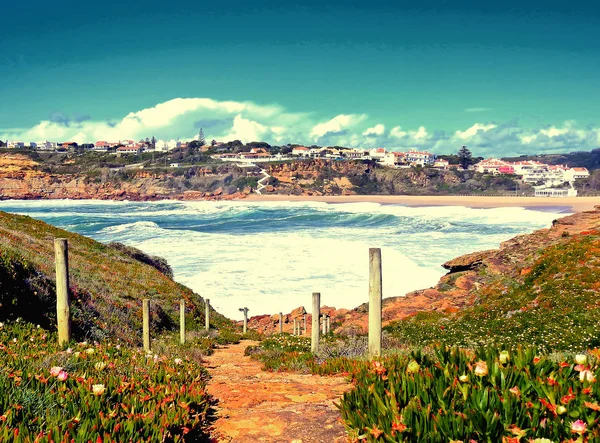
{"x":107,"y":284}
{"x":453,"y":395}
{"x":98,"y":392}
{"x":553,"y":306}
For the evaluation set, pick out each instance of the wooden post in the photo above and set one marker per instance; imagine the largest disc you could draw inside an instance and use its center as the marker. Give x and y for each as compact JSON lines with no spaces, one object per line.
{"x":305,"y":331}
{"x":207,"y":314}
{"x":295,"y":326}
{"x":328,"y":324}
{"x":245,"y":311}
{"x":281,"y":323}
{"x":146,"y":323}
{"x":182,"y":321}
{"x":63,"y":313}
{"x":316,"y":309}
{"x":324,"y":323}
{"x":375,"y":297}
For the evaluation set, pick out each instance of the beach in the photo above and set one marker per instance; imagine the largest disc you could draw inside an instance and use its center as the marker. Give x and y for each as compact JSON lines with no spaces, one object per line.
{"x":577,"y":204}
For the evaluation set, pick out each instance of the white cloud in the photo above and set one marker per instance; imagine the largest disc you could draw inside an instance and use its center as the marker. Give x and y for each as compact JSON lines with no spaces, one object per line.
{"x":478,"y":109}
{"x":378,"y":129}
{"x":473,"y":130}
{"x":337,"y":124}
{"x":248,"y":121}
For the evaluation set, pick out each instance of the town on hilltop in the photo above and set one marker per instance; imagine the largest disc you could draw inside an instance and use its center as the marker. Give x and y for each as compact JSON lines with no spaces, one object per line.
{"x":547,"y":180}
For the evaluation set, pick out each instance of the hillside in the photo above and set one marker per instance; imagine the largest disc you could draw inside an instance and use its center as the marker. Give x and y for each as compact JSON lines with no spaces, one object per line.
{"x":107,"y":283}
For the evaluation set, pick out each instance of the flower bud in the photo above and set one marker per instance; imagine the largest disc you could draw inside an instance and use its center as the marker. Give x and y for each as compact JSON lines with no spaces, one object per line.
{"x":581,"y":359}
{"x":413,"y":367}
{"x":504,"y":357}
{"x":561,"y":410}
{"x":464,"y":378}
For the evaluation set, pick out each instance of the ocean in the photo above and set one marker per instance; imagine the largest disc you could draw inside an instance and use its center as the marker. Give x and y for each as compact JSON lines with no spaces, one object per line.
{"x":271,"y":256}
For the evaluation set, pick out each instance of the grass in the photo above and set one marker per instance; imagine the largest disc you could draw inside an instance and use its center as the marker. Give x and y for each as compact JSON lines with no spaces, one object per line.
{"x":107,"y":284}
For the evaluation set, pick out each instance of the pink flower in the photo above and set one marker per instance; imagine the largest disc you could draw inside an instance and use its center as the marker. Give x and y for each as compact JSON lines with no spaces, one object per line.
{"x":55,"y":370}
{"x":62,"y":376}
{"x":578,"y":427}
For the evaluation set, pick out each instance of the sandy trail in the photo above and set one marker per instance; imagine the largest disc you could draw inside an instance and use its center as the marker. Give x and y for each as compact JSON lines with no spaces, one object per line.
{"x":258,"y":406}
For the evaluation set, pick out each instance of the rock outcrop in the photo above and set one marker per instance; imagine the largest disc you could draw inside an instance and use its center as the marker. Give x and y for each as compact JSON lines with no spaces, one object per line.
{"x":21,"y":178}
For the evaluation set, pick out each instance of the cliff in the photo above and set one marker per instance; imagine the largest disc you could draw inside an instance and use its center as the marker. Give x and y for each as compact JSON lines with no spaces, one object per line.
{"x":23,"y":178}
{"x":471,"y":278}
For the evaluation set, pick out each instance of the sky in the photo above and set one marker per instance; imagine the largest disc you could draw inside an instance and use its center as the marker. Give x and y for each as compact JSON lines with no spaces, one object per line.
{"x":512,"y":77}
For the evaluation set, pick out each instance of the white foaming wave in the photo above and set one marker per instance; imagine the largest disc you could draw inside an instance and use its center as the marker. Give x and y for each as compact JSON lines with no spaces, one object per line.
{"x":144,"y":226}
{"x":277,"y":272}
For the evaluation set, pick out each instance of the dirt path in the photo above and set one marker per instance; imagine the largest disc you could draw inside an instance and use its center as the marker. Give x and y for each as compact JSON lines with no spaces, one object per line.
{"x":257,"y":406}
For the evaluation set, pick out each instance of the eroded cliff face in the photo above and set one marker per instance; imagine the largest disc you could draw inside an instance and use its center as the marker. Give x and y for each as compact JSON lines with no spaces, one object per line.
{"x":468,"y":276}
{"x":20,"y":178}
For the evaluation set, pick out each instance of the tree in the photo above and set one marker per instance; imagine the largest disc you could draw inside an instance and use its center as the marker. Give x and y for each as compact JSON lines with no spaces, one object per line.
{"x":153,"y":142}
{"x":465,"y":158}
{"x":213,"y":143}
{"x":201,"y":139}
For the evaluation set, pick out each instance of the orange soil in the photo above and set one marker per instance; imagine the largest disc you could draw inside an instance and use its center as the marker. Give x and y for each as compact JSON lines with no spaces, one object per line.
{"x":259,"y":406}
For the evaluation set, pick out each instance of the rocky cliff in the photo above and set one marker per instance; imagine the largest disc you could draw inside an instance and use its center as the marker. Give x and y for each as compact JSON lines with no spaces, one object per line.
{"x":468,"y":278}
{"x":23,"y":178}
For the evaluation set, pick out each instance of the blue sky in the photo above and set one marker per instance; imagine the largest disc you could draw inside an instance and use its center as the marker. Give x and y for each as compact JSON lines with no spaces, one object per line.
{"x":510,"y":78}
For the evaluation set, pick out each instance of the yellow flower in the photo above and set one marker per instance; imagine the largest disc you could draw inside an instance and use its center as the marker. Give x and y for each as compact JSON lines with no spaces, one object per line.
{"x":98,"y":389}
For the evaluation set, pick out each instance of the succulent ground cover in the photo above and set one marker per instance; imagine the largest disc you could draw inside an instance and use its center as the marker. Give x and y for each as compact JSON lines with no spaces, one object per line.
{"x":95,"y":392}
{"x":553,"y":305}
{"x":486,"y":395}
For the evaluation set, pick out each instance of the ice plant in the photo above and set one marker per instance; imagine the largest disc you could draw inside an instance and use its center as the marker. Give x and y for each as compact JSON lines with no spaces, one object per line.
{"x":581,"y":359}
{"x":62,"y":376}
{"x":413,"y":367}
{"x":55,"y":370}
{"x":481,"y":368}
{"x":98,"y":389}
{"x":578,"y":427}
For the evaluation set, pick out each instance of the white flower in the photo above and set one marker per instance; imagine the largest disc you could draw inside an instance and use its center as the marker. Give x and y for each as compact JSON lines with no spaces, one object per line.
{"x":581,"y":359}
{"x":98,"y":389}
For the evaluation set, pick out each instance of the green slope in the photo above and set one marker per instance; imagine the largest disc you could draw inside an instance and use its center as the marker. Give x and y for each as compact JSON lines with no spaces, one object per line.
{"x":107,"y":284}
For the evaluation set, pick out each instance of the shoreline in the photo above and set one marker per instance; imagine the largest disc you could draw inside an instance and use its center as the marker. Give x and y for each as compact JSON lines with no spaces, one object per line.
{"x":577,"y":204}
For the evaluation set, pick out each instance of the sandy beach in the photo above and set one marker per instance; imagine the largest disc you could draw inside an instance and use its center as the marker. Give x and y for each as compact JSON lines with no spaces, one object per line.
{"x":577,"y":204}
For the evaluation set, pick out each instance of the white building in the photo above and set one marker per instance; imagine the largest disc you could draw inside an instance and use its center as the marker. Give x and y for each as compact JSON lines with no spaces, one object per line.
{"x":420,"y":158}
{"x":13,"y":144}
{"x":573,"y":174}
{"x":301,"y":151}
{"x":553,"y":192}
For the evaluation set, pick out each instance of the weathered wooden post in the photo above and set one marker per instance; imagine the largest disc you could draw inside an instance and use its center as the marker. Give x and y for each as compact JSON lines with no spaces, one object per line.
{"x":316,"y":309}
{"x":146,"y":323}
{"x":328,"y":324}
{"x":324,"y":323}
{"x":305,"y":330}
{"x":296,"y":332}
{"x":375,"y":296}
{"x":281,"y":323}
{"x":207,"y":314}
{"x":245,"y":311}
{"x":63,"y":313}
{"x":182,"y":321}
